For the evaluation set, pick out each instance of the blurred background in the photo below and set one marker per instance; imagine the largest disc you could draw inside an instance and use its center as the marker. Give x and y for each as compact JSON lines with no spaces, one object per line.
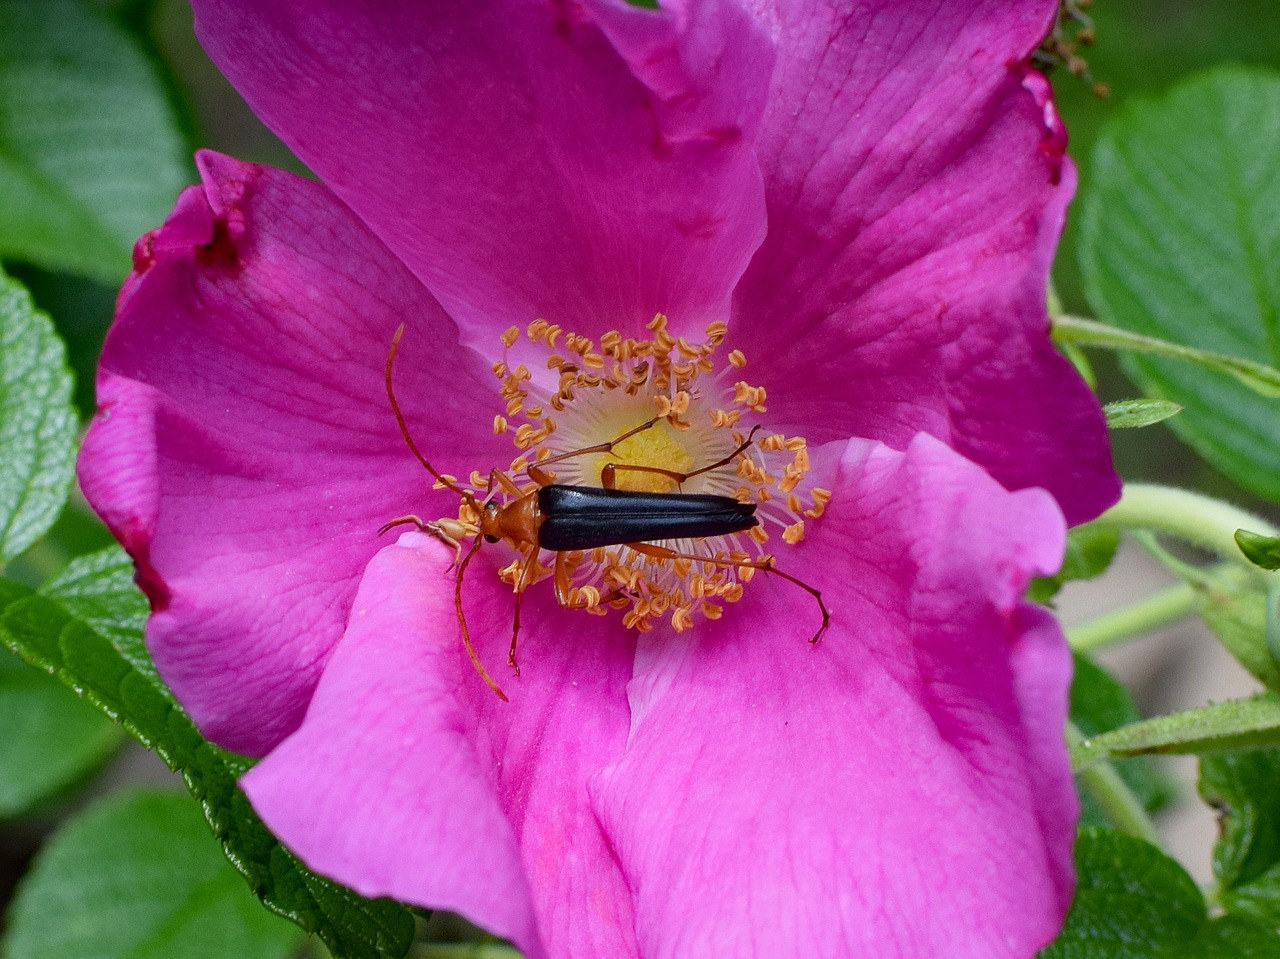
{"x":1142,"y":48}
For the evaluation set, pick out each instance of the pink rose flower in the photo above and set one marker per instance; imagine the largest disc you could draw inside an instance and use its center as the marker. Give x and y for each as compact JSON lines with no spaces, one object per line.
{"x":864,"y":202}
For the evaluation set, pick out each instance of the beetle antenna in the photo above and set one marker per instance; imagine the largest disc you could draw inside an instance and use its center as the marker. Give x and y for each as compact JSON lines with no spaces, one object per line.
{"x":413,"y":447}
{"x":462,"y":621}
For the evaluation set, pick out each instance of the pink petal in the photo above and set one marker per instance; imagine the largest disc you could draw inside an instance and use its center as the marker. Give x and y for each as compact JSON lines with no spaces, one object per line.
{"x":916,"y":183}
{"x":895,"y":791}
{"x":589,"y":163}
{"x":244,"y":451}
{"x":899,"y":790}
{"x":409,"y":778}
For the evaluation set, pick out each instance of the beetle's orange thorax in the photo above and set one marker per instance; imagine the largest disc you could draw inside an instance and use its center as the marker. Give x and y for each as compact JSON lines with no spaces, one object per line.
{"x":517,"y":521}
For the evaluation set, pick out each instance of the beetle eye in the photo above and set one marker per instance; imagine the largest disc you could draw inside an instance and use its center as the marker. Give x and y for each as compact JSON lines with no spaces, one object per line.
{"x":491,"y":539}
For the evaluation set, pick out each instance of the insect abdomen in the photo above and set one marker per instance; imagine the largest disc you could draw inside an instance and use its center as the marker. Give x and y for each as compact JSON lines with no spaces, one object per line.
{"x":584,"y":517}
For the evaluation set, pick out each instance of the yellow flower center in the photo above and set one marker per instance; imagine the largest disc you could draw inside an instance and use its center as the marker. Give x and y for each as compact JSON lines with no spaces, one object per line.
{"x":574,"y":423}
{"x":659,"y":447}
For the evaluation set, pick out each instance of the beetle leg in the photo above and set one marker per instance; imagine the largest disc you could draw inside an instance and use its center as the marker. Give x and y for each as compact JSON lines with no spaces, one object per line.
{"x":587,"y":450}
{"x":765,"y":563}
{"x":742,"y":448}
{"x":440,"y":529}
{"x":498,"y":478}
{"x":417,"y":521}
{"x":608,"y":477}
{"x":522,"y":582}
{"x":540,"y":476}
{"x":564,"y":587}
{"x":562,"y":580}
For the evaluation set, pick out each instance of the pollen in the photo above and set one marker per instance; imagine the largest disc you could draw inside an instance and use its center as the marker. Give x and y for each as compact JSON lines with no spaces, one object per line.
{"x":659,"y":414}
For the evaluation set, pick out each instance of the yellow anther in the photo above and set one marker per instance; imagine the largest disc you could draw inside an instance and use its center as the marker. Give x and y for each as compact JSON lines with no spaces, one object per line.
{"x":510,"y":336}
{"x":588,"y":595}
{"x":688,"y":349}
{"x":524,"y":436}
{"x":596,"y":395}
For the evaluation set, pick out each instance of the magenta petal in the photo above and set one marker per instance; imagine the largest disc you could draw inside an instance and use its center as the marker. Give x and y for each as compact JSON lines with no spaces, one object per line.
{"x":916,"y":184}
{"x":587,"y":163}
{"x":409,"y":778}
{"x":899,"y":791}
{"x":244,"y":451}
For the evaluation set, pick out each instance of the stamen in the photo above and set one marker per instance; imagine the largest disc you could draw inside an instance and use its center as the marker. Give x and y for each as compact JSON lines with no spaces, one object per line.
{"x":593,"y":393}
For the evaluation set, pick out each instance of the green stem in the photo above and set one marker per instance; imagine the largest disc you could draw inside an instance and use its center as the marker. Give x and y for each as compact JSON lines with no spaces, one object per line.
{"x":1260,"y":378}
{"x":1201,"y":520}
{"x":1121,"y":807}
{"x":1156,"y":610}
{"x":464,"y":950}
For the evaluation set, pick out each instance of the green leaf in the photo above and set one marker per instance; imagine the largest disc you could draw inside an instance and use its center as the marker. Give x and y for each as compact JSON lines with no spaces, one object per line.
{"x":1235,"y":604}
{"x":1259,"y":896}
{"x":1100,"y":703}
{"x":1134,"y":902}
{"x":1236,"y":935}
{"x":90,"y":155}
{"x":1260,"y":550}
{"x":1246,"y":860}
{"x":1243,"y":788}
{"x":98,"y":590}
{"x":1180,"y":240}
{"x":1130,"y":414}
{"x":138,"y":877}
{"x":51,"y":739}
{"x":1237,"y":724}
{"x":1090,"y":550}
{"x":45,"y":634}
{"x":37,"y":422}
{"x":1131,"y":902}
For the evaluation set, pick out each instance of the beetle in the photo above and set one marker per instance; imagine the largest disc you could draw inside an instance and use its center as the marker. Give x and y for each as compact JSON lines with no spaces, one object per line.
{"x":563,"y":519}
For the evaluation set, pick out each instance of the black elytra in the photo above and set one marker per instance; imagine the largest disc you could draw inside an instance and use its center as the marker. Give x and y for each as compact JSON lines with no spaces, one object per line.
{"x":587,"y":517}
